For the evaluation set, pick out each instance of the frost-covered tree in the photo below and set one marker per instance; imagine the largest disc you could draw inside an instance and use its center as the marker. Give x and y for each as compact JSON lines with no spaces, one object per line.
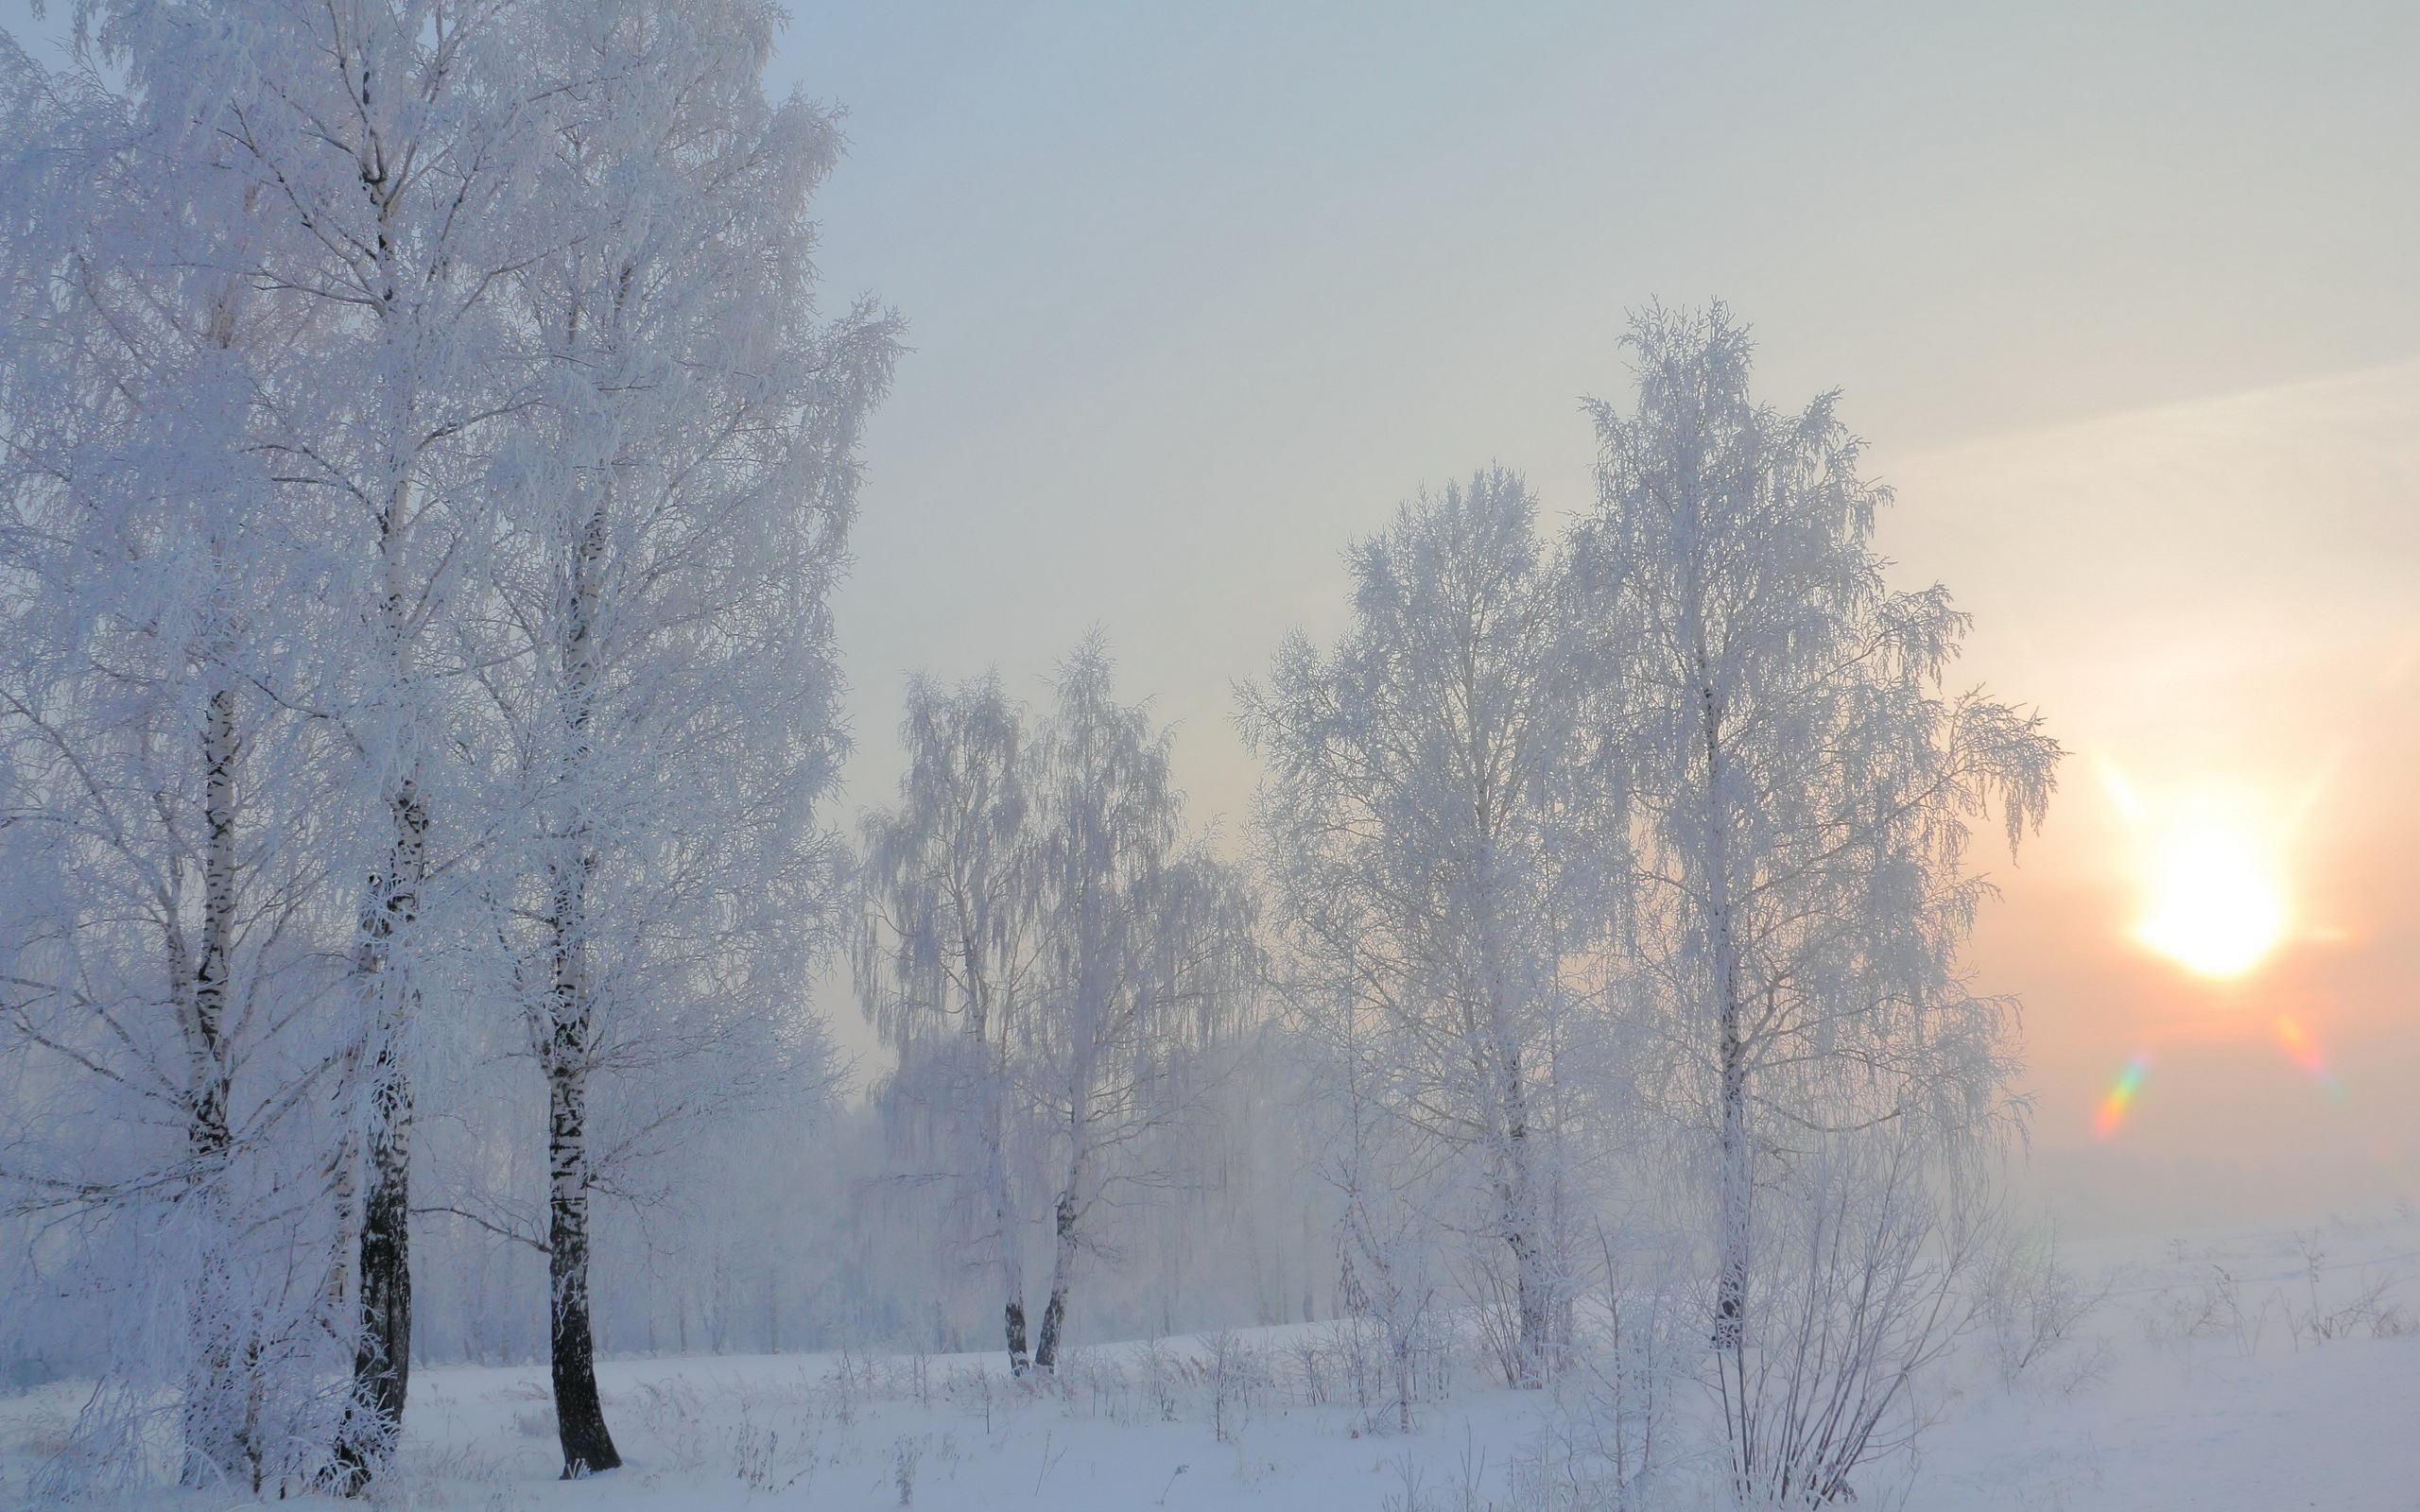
{"x":1795,"y":791}
{"x":165,"y":933}
{"x":1413,"y":821}
{"x":373,"y":169}
{"x":948,"y":960}
{"x":1148,"y":959}
{"x":1058,"y":961}
{"x":1390,"y":1186}
{"x":650,"y":621}
{"x":537,"y":464}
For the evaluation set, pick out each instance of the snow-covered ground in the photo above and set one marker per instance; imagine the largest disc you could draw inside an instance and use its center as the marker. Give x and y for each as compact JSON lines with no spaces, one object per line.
{"x":2249,"y":1369}
{"x":2203,"y":1383}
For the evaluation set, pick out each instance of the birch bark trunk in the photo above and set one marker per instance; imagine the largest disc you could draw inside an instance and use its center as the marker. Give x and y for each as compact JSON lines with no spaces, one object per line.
{"x":579,"y":1415}
{"x":382,"y":1351}
{"x":1066,"y":1214}
{"x":218,"y":1449}
{"x":1532,"y":1287}
{"x":1062,"y":1272}
{"x":569,"y":1043}
{"x":1008,"y":1252}
{"x":383,"y":984}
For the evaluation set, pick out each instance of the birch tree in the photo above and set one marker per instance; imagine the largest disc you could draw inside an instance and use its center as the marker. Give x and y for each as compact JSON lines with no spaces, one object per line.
{"x":1056,"y":959}
{"x":654,"y":643}
{"x":537,"y":426}
{"x":1410,"y":817}
{"x":1148,"y":963}
{"x":1798,"y":792}
{"x":164,"y":823}
{"x":382,"y":157}
{"x":948,"y":959}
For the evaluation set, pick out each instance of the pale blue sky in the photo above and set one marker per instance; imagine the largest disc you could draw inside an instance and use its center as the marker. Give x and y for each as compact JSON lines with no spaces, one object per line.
{"x":1198,"y":292}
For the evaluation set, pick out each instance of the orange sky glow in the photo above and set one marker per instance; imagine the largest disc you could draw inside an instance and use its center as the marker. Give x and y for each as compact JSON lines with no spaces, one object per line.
{"x":2215,"y":937}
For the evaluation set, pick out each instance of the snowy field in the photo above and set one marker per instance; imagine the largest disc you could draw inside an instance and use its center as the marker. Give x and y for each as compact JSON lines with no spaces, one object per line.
{"x":2252,"y":1370}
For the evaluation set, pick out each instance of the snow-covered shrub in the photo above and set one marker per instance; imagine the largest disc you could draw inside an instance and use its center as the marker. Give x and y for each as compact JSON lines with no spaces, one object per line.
{"x":674,"y":1416}
{"x":1098,"y":1377}
{"x":1236,"y":1375}
{"x":1612,"y":1432}
{"x":1858,"y":1285}
{"x":1166,"y":1376}
{"x":913,"y":1378}
{"x":1314,"y":1360}
{"x":1393,"y":1369}
{"x":2369,"y":1313}
{"x":2032,"y":1307}
{"x":2211,"y":1306}
{"x":762,"y":1458}
{"x":976,"y":1388}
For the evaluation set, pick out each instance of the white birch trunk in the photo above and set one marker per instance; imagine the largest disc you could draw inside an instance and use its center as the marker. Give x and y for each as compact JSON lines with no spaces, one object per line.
{"x":220,"y":1447}
{"x":567,"y":1040}
{"x":388,"y":998}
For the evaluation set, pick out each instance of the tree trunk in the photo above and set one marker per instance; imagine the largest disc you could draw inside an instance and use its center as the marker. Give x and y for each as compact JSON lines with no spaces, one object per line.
{"x":1517,"y":1194}
{"x":1004,"y":1221}
{"x":1731,"y":1285}
{"x":579,"y":1415}
{"x":382,"y":1351}
{"x":383,"y":1355}
{"x":1016,"y":1316}
{"x":1062,"y":1269}
{"x":218,"y":1451}
{"x":209,"y":1136}
{"x":1731,"y":1051}
{"x":1012,"y":1257}
{"x":1532,"y":1289}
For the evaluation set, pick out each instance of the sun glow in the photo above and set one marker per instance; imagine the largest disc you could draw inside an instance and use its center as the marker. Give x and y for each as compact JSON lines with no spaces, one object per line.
{"x":2215,"y":899}
{"x":2217,"y":907}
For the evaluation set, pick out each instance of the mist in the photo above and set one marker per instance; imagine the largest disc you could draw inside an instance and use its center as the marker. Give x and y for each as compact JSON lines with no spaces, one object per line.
{"x":1548,"y":758}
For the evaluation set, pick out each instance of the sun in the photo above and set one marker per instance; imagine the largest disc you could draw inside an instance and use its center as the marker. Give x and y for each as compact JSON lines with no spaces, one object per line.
{"x":2216,"y":905}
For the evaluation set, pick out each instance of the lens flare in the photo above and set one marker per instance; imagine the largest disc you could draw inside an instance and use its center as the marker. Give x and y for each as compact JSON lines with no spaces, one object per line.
{"x":2217,"y":908}
{"x":2122,"y":1096}
{"x":2306,"y":1053}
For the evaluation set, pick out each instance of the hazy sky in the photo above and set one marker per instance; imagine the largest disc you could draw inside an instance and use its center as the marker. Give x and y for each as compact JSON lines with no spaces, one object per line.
{"x":1198,"y":293}
{"x":2124,"y":294}
{"x":2118,"y":293}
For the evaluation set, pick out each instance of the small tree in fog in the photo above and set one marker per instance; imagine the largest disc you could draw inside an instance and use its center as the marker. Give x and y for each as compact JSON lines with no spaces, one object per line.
{"x":1794,"y":792}
{"x":1054,"y":956}
{"x":1147,"y":961}
{"x":1390,"y":1187}
{"x":1411,"y":817}
{"x":946,"y":957}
